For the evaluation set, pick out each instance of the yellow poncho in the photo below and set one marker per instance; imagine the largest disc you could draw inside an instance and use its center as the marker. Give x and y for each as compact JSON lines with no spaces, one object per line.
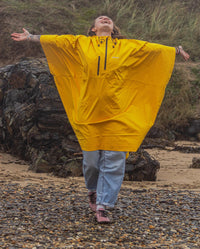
{"x":111,"y":89}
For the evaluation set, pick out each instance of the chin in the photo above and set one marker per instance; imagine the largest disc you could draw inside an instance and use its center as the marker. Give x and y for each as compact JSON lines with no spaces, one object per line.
{"x":107,"y":28}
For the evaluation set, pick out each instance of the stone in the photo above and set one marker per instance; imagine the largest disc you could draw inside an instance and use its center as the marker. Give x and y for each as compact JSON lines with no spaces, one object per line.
{"x":34,"y":125}
{"x":1,"y":95}
{"x":193,"y":129}
{"x":140,"y":166}
{"x":195,"y":163}
{"x":1,"y":83}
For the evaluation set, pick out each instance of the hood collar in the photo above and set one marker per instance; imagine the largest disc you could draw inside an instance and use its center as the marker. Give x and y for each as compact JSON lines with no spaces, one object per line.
{"x":102,"y":39}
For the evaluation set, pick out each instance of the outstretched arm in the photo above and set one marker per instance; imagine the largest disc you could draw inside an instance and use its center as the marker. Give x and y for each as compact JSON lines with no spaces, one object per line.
{"x":179,"y":50}
{"x":25,"y":36}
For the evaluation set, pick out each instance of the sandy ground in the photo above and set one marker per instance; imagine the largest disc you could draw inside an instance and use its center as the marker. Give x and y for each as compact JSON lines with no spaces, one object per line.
{"x":173,"y":174}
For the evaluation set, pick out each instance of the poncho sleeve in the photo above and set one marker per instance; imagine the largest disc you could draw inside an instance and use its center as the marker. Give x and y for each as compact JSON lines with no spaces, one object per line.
{"x":155,"y":63}
{"x":57,"y":49}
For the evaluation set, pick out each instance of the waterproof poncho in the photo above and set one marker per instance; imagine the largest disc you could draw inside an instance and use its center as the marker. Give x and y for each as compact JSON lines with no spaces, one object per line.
{"x":111,"y":89}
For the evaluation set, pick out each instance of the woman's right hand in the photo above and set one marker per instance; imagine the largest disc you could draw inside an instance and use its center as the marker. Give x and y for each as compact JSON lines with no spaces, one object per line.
{"x":21,"y":36}
{"x":184,"y":54}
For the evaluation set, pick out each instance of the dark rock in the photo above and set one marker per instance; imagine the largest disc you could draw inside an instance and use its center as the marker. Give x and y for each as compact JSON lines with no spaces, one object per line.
{"x":194,"y":128}
{"x":187,"y":149}
{"x":72,"y":167}
{"x":1,"y":95}
{"x":1,"y":83}
{"x":161,"y":143}
{"x":195,"y":163}
{"x":33,"y":122}
{"x":191,"y":131}
{"x":40,"y":165}
{"x":141,"y":167}
{"x":155,"y":132}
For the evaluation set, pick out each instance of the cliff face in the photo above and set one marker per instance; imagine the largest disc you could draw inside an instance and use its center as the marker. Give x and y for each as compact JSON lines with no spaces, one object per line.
{"x":33,"y":122}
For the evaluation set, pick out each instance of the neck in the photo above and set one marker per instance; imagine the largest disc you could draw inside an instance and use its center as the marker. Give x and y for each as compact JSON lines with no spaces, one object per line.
{"x":103,"y":33}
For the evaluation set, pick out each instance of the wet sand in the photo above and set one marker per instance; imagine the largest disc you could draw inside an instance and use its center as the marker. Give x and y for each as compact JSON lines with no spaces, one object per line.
{"x":174,"y":171}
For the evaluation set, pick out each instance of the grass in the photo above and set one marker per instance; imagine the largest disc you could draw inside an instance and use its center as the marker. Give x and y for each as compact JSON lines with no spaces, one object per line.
{"x":163,"y":21}
{"x":181,"y":101}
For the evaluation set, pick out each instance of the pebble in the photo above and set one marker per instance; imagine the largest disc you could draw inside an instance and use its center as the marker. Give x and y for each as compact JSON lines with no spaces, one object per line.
{"x":39,"y":217}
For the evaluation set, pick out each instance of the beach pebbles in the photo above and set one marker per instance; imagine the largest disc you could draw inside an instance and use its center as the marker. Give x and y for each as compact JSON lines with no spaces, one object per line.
{"x":57,"y":216}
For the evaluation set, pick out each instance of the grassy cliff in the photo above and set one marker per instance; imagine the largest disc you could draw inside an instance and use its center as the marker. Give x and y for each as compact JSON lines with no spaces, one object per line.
{"x":166,"y":22}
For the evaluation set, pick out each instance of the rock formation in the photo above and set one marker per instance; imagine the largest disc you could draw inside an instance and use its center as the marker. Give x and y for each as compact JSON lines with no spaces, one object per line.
{"x":34,"y":125}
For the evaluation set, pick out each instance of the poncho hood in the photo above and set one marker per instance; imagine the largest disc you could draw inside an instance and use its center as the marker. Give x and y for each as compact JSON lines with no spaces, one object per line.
{"x":111,"y":89}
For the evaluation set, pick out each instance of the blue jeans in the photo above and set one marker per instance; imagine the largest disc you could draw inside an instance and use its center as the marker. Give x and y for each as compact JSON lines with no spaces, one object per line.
{"x":104,"y":172}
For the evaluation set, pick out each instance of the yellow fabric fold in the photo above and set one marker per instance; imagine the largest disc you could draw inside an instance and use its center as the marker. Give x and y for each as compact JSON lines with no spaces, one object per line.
{"x":111,"y":89}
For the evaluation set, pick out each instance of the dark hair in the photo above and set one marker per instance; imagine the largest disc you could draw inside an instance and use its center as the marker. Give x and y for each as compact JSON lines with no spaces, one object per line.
{"x":115,"y":33}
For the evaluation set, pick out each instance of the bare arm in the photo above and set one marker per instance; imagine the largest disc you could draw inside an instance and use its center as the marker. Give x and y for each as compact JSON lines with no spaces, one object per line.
{"x":179,"y":50}
{"x":25,"y":36}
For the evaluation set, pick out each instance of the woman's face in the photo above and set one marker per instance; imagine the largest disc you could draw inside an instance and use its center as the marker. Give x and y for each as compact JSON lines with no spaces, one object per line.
{"x":103,"y":23}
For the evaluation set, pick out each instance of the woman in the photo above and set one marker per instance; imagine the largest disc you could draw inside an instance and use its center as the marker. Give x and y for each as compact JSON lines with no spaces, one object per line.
{"x":111,"y":90}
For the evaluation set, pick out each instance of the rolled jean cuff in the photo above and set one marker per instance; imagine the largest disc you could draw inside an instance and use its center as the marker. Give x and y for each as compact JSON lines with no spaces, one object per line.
{"x":91,"y":190}
{"x":106,"y":204}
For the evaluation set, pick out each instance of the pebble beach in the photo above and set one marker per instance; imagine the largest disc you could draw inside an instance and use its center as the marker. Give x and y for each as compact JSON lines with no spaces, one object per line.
{"x":41,"y":211}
